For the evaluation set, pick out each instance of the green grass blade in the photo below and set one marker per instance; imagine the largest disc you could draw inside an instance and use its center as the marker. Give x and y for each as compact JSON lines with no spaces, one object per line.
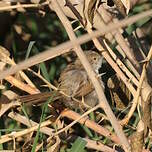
{"x":44,"y":108}
{"x":78,"y":145}
{"x":44,"y":71}
{"x":29,"y":49}
{"x":25,"y":113}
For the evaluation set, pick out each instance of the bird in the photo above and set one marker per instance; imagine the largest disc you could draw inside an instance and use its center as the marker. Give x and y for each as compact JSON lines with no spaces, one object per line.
{"x":75,"y":83}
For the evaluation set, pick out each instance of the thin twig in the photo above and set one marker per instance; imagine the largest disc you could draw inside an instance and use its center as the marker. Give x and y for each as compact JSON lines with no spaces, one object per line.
{"x":30,"y":87}
{"x":77,"y":120}
{"x":112,"y":63}
{"x":22,"y":119}
{"x":6,"y":8}
{"x":139,"y":89}
{"x":11,"y":136}
{"x":103,"y":103}
{"x":98,"y":146}
{"x":90,"y":124}
{"x":122,"y":66}
{"x":127,"y":50}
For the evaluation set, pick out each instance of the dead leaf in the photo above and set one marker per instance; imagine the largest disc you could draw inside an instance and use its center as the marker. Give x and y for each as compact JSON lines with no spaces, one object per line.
{"x":91,"y":10}
{"x":120,"y":94}
{"x":10,"y":94}
{"x":5,"y":106}
{"x":4,"y":56}
{"x":128,"y":4}
{"x":2,"y":87}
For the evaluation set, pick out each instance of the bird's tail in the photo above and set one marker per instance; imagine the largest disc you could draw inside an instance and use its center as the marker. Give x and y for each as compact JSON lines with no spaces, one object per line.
{"x":40,"y":97}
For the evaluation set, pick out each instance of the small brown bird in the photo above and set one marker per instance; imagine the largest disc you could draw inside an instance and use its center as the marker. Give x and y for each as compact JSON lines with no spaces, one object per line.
{"x":74,"y":82}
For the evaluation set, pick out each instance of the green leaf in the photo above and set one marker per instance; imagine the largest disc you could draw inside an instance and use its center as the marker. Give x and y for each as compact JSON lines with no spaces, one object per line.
{"x":25,"y":113}
{"x":29,"y":49}
{"x":44,"y":71}
{"x":143,"y":21}
{"x":138,"y":24}
{"x":52,"y":71}
{"x":88,"y":131}
{"x":78,"y":145}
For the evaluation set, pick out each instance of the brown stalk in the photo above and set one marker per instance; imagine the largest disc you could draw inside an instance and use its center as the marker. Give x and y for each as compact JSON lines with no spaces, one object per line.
{"x":65,"y":47}
{"x":30,"y":87}
{"x":21,"y":85}
{"x":139,"y":89}
{"x":22,"y":119}
{"x":48,"y":131}
{"x":7,"y":8}
{"x":107,"y":17}
{"x":90,"y":124}
{"x":121,"y":65}
{"x":75,"y":12}
{"x":98,"y":146}
{"x":102,"y":99}
{"x":112,"y":63}
{"x":13,"y":135}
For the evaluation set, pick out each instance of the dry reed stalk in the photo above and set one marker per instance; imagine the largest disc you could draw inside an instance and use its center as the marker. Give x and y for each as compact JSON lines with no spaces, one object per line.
{"x":65,"y":47}
{"x":99,"y":90}
{"x":90,"y":124}
{"x":75,"y":42}
{"x":29,"y":87}
{"x":13,"y":135}
{"x":122,"y":66}
{"x":6,"y":107}
{"x":140,"y":89}
{"x":22,"y":119}
{"x":113,"y":64}
{"x":107,"y":17}
{"x":10,"y":8}
{"x":21,"y":85}
{"x":48,"y":131}
{"x":98,"y":146}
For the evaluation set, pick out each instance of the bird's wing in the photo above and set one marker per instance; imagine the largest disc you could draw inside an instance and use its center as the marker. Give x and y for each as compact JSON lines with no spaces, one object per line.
{"x":75,"y":83}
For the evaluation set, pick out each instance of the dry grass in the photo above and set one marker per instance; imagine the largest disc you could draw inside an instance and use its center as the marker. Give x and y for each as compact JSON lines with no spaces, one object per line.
{"x":128,"y":69}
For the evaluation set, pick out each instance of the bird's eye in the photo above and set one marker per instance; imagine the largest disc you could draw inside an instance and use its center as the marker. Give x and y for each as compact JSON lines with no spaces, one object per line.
{"x":95,"y":58}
